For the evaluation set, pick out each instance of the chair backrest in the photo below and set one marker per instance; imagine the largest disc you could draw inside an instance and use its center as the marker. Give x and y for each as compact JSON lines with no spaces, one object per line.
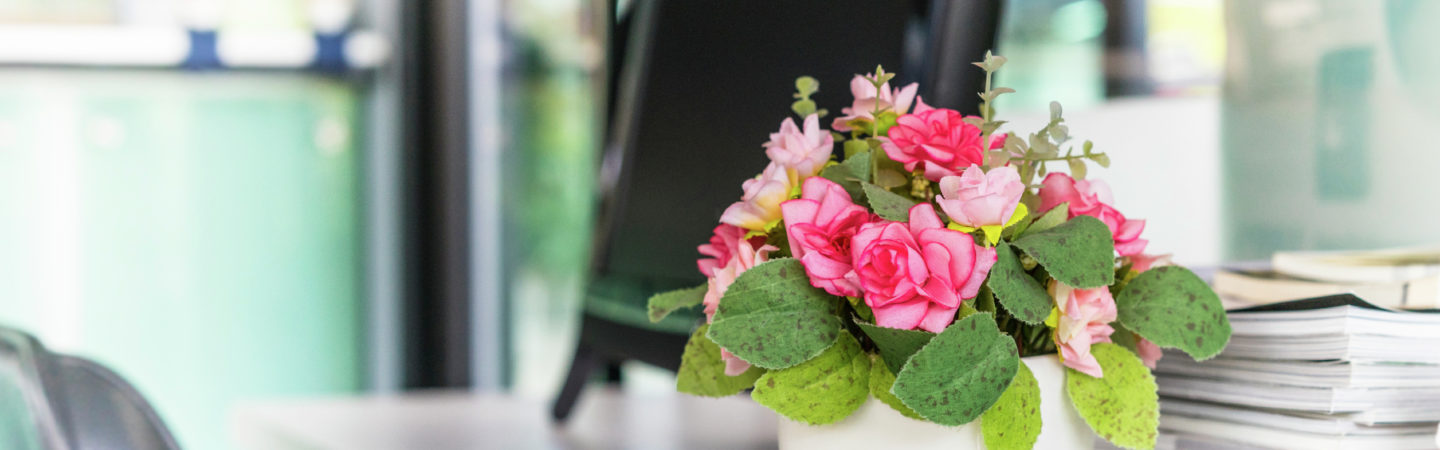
{"x":701,"y":86}
{"x":58,"y":402}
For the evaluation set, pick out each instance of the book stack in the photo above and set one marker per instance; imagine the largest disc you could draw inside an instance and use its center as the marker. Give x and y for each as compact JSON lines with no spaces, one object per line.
{"x":1402,"y":279}
{"x":1329,"y":372}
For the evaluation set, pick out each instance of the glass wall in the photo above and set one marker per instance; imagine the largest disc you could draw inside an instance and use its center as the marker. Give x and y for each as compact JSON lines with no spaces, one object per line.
{"x":198,"y":234}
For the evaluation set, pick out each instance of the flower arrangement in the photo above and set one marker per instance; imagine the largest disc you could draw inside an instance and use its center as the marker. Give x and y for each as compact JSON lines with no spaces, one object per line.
{"x":923,"y":265}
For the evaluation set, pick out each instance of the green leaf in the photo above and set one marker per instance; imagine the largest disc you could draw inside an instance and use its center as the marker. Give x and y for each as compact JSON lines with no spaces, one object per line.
{"x":851,"y":173}
{"x":702,"y":372}
{"x":1051,"y":219}
{"x":1079,"y":252}
{"x":1122,"y":406}
{"x":1017,"y":290}
{"x":1101,"y":159}
{"x":1014,"y":421}
{"x":803,"y":108}
{"x":855,"y":146}
{"x":806,"y":85}
{"x":1173,"y":308}
{"x":889,"y":178}
{"x":822,"y":390}
{"x":881,"y":380}
{"x":1077,"y":168}
{"x":1124,"y":337}
{"x":888,"y":205}
{"x":896,"y":345}
{"x":960,"y":373}
{"x":773,"y":318}
{"x":664,"y":303}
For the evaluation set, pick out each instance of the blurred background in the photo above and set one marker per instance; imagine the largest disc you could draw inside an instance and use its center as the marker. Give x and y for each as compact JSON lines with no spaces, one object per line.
{"x":234,"y":202}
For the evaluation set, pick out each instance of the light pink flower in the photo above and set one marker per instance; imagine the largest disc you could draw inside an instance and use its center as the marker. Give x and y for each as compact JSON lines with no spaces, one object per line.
{"x":937,"y":140}
{"x":866,"y":98}
{"x":977,"y":198}
{"x":804,"y":152}
{"x":1093,"y":198}
{"x":746,"y":255}
{"x":1139,"y":263}
{"x":760,"y":206}
{"x":1085,"y":316}
{"x":819,"y":226}
{"x":724,"y":247}
{"x":916,"y":275}
{"x":1148,"y":351}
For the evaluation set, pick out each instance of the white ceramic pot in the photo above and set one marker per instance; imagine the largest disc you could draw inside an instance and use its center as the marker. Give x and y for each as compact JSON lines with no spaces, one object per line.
{"x":876,"y":425}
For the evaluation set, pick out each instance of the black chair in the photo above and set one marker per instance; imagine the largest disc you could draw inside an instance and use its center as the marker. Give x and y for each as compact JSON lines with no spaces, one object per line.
{"x":57,"y":402}
{"x":697,"y":87}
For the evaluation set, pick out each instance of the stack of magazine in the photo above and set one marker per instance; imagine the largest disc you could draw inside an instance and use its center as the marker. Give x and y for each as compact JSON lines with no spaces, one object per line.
{"x":1327,"y":372}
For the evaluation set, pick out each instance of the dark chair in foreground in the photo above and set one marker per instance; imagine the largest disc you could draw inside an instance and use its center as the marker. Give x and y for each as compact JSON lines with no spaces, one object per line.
{"x":698,"y":88}
{"x":56,"y":402}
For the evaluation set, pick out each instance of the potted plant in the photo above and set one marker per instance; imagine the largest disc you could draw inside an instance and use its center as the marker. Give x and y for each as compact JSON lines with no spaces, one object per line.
{"x":941,"y":285}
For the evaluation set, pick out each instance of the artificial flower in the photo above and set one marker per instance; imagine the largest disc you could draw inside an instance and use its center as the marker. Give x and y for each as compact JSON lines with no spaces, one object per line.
{"x":937,"y":140}
{"x":1148,"y":351}
{"x":1139,"y":263}
{"x":760,"y":206}
{"x":1092,"y":198}
{"x":724,"y":247}
{"x":915,"y":275}
{"x":803,"y":152}
{"x":819,"y":226}
{"x":982,"y":200}
{"x":1084,"y":320}
{"x":745,"y":255}
{"x":868,"y":99}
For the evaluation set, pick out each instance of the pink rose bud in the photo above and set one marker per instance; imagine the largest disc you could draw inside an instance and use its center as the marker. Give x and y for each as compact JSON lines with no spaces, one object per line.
{"x":977,"y":198}
{"x":746,"y":254}
{"x":1085,"y":316}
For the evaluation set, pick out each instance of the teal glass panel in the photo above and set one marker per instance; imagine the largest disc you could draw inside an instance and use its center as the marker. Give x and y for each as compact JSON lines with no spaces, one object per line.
{"x":1327,"y":115}
{"x":197,"y":233}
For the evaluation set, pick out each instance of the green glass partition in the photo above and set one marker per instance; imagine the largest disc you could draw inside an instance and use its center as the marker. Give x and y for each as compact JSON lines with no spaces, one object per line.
{"x":198,"y":233}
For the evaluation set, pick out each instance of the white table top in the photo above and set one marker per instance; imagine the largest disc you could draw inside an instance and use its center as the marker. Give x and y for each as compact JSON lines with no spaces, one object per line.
{"x":604,"y":418}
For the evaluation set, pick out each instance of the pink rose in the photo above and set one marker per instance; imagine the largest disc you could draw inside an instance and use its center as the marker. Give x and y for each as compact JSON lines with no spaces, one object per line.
{"x":1085,"y":316}
{"x":915,"y":276}
{"x":977,"y":198}
{"x":723,"y":247}
{"x":866,"y":99}
{"x":819,"y":226}
{"x":937,"y":140}
{"x":1092,"y":198}
{"x":804,"y":152}
{"x":745,"y":255}
{"x":760,"y":206}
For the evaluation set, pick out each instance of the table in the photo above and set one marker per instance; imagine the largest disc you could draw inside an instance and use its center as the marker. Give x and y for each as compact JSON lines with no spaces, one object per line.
{"x":605,"y":418}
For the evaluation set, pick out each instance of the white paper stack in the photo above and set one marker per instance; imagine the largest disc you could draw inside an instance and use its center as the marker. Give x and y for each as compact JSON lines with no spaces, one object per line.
{"x":1329,"y":372}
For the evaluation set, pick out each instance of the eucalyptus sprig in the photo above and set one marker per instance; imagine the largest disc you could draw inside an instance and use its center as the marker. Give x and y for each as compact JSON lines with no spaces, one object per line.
{"x":804,"y":106}
{"x":987,"y":122}
{"x":1031,"y":155}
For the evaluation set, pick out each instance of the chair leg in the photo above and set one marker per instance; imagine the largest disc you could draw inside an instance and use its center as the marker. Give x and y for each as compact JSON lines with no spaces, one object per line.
{"x":584,"y":363}
{"x":613,"y":374}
